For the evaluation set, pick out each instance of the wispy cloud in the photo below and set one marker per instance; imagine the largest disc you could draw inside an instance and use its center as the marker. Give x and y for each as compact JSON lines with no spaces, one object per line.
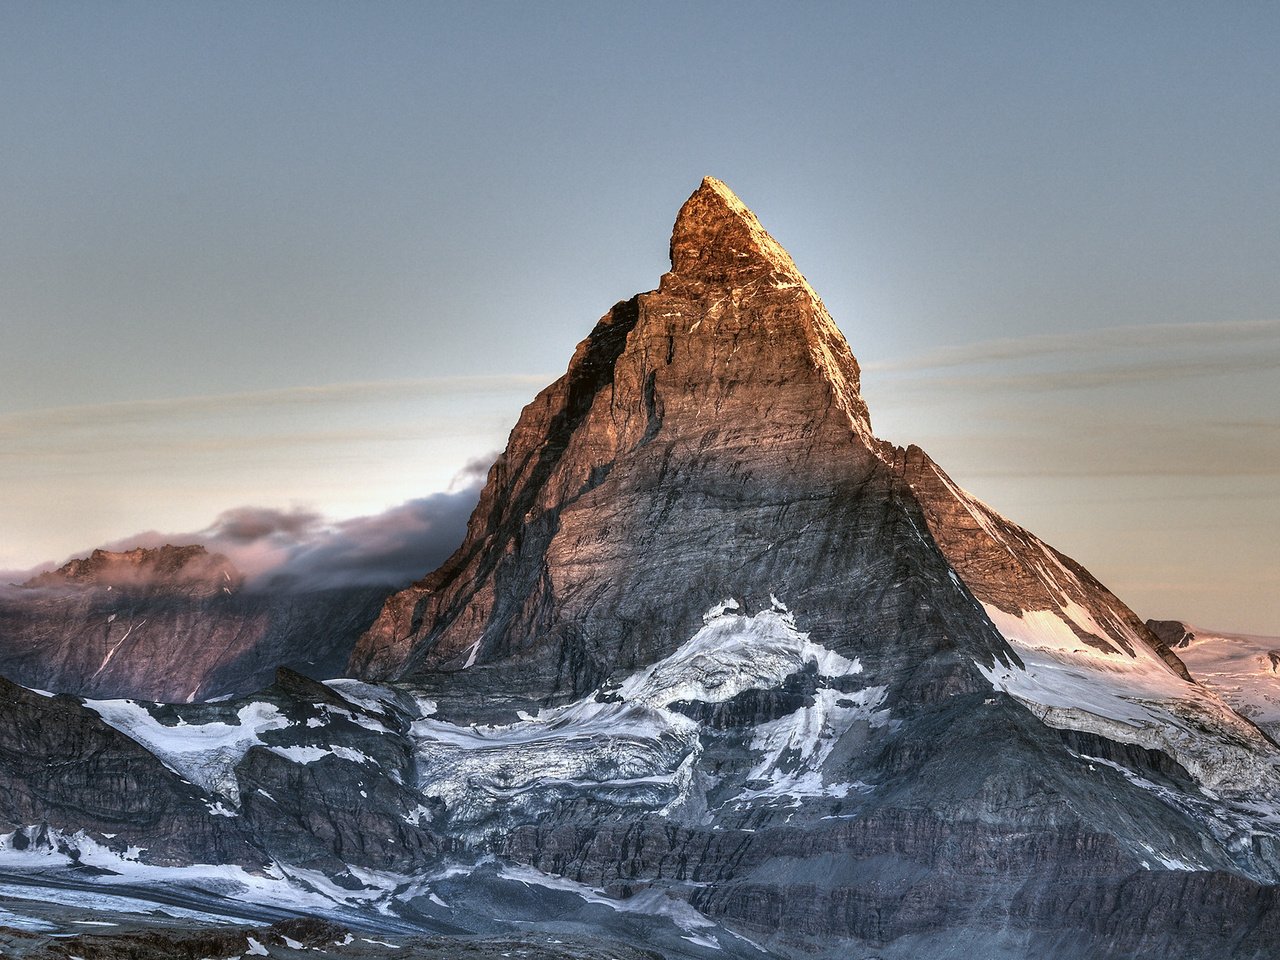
{"x":1115,"y":375}
{"x":80,"y":476}
{"x":1155,"y":336}
{"x":1034,"y":442}
{"x":300,"y":549}
{"x":183,"y":408}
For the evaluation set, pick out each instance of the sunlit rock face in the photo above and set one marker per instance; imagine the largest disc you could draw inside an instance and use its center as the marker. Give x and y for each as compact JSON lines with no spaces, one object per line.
{"x":190,"y":568}
{"x":707,"y":441}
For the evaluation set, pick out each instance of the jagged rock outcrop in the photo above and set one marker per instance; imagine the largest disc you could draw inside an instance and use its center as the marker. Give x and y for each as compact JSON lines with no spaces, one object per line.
{"x":175,"y":623}
{"x":1173,"y":633}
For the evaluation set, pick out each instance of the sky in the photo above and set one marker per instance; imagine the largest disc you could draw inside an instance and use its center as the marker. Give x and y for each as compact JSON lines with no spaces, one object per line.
{"x":313,"y":258}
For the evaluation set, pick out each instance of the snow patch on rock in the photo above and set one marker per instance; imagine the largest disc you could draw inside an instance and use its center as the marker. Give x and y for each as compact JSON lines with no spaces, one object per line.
{"x":206,"y":754}
{"x":797,"y":746}
{"x":731,"y":654}
{"x":1131,"y":699}
{"x":627,"y":745}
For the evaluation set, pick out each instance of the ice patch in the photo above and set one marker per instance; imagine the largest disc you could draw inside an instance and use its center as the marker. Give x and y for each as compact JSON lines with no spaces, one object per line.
{"x":1131,"y":699}
{"x":288,"y":887}
{"x":732,"y":654}
{"x":21,"y":921}
{"x":368,"y":696}
{"x":653,"y":903}
{"x":418,"y":815}
{"x":626,"y":744}
{"x":720,"y":609}
{"x":312,"y":754}
{"x":796,"y":746}
{"x":206,"y":753}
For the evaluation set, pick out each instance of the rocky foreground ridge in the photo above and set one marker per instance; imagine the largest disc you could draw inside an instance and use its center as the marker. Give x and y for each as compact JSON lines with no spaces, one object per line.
{"x":716,"y":672}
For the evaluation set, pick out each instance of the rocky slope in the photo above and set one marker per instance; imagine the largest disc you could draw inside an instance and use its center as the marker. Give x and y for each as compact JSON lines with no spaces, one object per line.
{"x":174,"y":623}
{"x":189,"y":568}
{"x":715,"y":671}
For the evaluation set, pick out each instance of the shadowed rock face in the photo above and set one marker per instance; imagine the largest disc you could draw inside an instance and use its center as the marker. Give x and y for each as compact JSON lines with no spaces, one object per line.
{"x":1174,"y":633}
{"x":94,"y":779}
{"x":172,"y":624}
{"x":63,"y":768}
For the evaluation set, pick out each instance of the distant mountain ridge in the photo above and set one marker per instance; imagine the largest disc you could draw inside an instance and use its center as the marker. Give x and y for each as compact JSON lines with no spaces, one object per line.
{"x":166,"y":567}
{"x":171,"y":623}
{"x":1243,"y":669}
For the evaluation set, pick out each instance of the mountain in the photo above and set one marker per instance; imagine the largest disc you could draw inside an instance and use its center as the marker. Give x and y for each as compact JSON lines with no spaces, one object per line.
{"x":714,"y":671}
{"x":173,"y":623}
{"x":1243,"y":669}
{"x":191,"y":568}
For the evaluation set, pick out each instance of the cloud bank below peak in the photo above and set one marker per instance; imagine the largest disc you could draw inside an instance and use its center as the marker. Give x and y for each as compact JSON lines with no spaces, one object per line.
{"x":301,"y":550}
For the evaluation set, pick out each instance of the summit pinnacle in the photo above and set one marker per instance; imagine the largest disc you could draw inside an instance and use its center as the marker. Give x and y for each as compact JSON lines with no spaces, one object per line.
{"x":718,"y":241}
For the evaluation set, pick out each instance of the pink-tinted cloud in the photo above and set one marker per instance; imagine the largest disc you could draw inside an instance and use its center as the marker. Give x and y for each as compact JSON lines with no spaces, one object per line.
{"x":301,"y":550}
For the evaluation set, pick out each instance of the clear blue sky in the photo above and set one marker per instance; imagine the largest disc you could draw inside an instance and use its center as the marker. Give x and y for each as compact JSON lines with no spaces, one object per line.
{"x":325,"y":208}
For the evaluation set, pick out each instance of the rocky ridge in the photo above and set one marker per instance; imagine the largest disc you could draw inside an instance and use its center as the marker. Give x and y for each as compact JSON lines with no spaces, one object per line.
{"x":165,"y":568}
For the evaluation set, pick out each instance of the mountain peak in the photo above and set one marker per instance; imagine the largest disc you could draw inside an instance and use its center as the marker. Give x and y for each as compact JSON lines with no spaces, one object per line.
{"x":717,"y":241}
{"x":168,"y":566}
{"x":701,"y":406}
